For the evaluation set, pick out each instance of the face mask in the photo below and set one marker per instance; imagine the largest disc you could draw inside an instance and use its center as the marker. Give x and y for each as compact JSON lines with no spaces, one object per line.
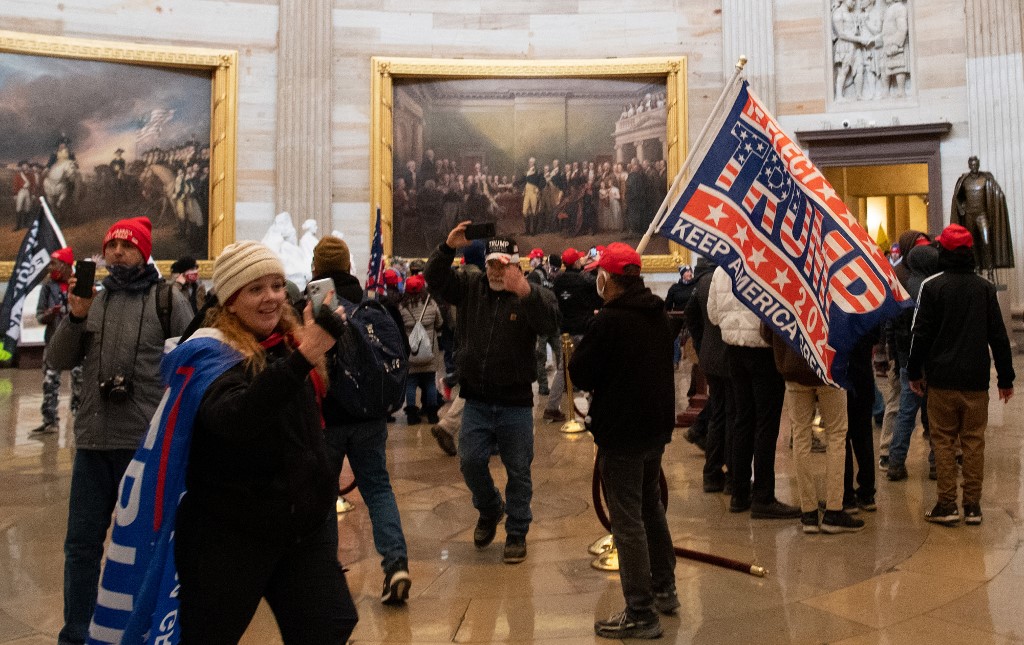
{"x":125,"y":274}
{"x":602,"y":281}
{"x":57,"y":276}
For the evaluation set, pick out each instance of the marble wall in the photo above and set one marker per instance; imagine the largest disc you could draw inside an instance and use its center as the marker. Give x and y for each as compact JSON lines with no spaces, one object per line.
{"x":961,"y":48}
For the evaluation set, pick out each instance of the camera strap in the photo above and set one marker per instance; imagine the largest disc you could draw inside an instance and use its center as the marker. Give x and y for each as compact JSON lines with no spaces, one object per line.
{"x":138,"y":337}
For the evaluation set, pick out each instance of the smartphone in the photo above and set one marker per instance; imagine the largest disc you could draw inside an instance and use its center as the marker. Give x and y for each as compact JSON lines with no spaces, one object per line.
{"x":318,"y":290}
{"x":85,"y":272}
{"x":480,"y":231}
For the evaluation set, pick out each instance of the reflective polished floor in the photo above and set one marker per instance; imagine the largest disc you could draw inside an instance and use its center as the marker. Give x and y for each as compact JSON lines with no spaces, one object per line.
{"x":901,"y":580}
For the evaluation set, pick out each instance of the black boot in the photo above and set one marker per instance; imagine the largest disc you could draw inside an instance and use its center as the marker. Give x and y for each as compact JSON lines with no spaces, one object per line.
{"x":412,"y":415}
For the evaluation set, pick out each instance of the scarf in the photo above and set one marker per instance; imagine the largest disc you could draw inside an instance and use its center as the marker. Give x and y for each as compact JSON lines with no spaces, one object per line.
{"x":134,"y":279}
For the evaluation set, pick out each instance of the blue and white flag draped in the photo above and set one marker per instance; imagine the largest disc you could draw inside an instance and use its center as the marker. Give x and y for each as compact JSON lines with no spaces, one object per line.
{"x":759,"y":208}
{"x":137,"y":602}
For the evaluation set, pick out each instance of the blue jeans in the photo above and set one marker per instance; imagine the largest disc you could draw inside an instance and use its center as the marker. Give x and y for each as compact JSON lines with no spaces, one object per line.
{"x":906,"y":421}
{"x":425,"y":382}
{"x":95,"y":477}
{"x":364,"y":442}
{"x":511,"y":428}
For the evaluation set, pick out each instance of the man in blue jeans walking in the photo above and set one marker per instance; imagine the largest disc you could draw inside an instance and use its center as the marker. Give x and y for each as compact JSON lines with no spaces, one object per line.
{"x":499,"y":316}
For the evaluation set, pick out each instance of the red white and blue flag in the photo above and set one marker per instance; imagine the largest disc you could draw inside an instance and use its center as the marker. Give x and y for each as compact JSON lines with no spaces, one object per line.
{"x":137,"y":601}
{"x":375,"y":272}
{"x":760,"y":209}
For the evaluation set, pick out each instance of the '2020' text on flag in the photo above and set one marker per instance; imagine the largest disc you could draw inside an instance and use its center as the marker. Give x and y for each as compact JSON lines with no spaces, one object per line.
{"x":760,"y":209}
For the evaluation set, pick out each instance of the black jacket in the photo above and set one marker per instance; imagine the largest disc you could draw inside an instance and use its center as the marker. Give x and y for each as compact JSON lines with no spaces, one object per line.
{"x":679,"y":294}
{"x":625,"y":362}
{"x":577,"y":297}
{"x":957,"y":321}
{"x":496,"y":331}
{"x":707,"y":336}
{"x":259,"y":460}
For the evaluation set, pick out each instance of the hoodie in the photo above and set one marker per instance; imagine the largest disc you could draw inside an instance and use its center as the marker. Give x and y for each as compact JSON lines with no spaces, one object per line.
{"x":625,"y":362}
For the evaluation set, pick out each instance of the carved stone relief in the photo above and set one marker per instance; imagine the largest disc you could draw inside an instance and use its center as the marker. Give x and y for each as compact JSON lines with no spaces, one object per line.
{"x":871,"y":50}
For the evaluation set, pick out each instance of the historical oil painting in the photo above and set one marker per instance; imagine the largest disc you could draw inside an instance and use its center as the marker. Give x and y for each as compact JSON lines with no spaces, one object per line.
{"x":553,"y":153}
{"x":101,"y":141}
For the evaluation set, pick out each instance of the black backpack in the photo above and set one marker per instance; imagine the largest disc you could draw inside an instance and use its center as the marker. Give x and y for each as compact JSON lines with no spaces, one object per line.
{"x":367,"y":375}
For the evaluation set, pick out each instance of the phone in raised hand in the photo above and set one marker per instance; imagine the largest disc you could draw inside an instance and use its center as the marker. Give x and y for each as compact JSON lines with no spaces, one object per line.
{"x":85,"y":275}
{"x":480,"y":231}
{"x":318,"y":291}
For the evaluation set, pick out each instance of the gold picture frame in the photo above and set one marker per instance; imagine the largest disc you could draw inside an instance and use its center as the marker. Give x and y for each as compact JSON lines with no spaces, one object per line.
{"x":221,"y":68}
{"x":385,"y":70}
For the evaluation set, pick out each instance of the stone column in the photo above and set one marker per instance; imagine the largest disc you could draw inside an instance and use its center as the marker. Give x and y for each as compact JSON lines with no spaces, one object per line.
{"x":995,"y":97}
{"x":304,"y":101}
{"x":748,"y":28}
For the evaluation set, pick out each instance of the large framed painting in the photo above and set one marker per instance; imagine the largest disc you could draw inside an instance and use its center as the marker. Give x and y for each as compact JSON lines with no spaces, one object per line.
{"x":555,"y":153}
{"x":106,"y":130}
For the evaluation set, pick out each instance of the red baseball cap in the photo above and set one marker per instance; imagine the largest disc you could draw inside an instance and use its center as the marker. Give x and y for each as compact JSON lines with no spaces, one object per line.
{"x":617,"y":256}
{"x":955,"y":236}
{"x":391,"y":277}
{"x":537,"y":254}
{"x":415,"y":283}
{"x":571,"y":256}
{"x":65,"y":255}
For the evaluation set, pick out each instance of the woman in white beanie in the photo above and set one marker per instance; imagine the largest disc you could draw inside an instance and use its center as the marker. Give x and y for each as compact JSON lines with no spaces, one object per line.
{"x":258,"y":520}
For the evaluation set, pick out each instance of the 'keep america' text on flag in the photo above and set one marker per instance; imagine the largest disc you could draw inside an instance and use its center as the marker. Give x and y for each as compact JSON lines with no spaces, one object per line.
{"x":758,"y":207}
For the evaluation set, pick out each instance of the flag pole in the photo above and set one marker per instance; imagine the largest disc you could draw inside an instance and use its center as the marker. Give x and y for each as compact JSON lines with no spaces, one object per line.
{"x":53,"y":221}
{"x":663,"y":209}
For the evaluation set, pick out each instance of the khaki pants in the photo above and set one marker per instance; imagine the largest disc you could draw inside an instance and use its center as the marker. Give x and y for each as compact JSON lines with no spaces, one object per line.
{"x":831,"y":402}
{"x":531,"y":200}
{"x":952,"y":415}
{"x":890,"y":388}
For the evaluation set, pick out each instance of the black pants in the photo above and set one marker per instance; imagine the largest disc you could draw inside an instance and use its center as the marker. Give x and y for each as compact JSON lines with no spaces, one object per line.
{"x":721,"y":410}
{"x":758,"y":391}
{"x":225,"y":571}
{"x":647,"y":559}
{"x":859,"y":437}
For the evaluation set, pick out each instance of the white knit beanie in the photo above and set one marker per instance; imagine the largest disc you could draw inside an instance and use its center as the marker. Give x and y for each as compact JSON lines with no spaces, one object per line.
{"x":241,"y":263}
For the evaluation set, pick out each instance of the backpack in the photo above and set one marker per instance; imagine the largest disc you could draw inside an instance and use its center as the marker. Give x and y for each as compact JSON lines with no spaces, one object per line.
{"x":164,"y":306}
{"x":421,"y":345}
{"x":367,"y":374}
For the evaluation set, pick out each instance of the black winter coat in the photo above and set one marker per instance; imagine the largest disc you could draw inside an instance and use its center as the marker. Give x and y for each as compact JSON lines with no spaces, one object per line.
{"x":259,"y":460}
{"x":496,"y":331}
{"x":958,"y":319}
{"x":577,"y":297}
{"x":625,"y":362}
{"x":707,"y":336}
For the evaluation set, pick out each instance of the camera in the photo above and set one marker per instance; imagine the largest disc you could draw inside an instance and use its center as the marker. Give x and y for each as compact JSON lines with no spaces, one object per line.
{"x":116,"y":389}
{"x":846,"y":123}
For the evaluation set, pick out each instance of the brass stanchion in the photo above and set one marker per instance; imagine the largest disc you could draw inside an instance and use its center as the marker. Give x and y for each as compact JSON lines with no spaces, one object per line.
{"x":573,"y":425}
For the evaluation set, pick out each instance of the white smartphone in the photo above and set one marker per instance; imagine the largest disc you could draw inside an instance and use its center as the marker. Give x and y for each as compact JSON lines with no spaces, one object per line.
{"x":318,"y":290}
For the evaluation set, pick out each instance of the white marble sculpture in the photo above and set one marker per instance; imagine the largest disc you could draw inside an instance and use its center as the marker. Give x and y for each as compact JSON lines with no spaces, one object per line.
{"x":282,"y":239}
{"x":309,"y":239}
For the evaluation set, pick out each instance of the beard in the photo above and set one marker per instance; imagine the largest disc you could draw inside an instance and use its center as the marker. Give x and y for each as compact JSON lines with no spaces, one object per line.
{"x":496,"y":284}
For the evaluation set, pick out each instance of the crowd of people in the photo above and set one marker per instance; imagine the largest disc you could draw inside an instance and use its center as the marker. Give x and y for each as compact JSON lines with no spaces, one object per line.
{"x":272,"y":426}
{"x":575,"y":198}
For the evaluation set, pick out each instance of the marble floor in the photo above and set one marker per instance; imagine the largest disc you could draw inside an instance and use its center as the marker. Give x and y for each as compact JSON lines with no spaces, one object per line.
{"x":901,"y":580}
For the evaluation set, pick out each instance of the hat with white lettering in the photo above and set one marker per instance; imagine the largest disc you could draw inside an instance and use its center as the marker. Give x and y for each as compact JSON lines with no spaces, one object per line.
{"x":502,"y":249}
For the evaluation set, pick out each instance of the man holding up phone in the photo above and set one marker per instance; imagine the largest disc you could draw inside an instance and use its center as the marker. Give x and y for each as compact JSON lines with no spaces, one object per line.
{"x":117,"y":337}
{"x":499,"y":316}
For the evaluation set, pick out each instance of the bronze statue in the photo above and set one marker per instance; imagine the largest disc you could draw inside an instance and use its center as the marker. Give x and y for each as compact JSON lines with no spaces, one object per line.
{"x":980,"y":206}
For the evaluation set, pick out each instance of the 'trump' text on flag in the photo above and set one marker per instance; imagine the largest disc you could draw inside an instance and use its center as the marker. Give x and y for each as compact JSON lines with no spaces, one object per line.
{"x":759,"y":208}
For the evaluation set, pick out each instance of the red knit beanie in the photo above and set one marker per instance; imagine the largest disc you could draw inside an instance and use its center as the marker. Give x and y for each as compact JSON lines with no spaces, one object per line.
{"x":136,"y":230}
{"x":65,"y":255}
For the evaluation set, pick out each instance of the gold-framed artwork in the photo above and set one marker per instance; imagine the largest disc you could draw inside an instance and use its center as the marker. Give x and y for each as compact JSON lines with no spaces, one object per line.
{"x":109,"y":130}
{"x":454,"y":139}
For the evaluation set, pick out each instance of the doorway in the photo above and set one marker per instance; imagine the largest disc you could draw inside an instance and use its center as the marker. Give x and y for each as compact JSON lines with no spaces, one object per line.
{"x":886,"y":199}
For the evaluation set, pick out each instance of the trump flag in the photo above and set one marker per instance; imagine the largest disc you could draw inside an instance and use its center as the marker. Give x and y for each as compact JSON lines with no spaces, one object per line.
{"x":760,"y":209}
